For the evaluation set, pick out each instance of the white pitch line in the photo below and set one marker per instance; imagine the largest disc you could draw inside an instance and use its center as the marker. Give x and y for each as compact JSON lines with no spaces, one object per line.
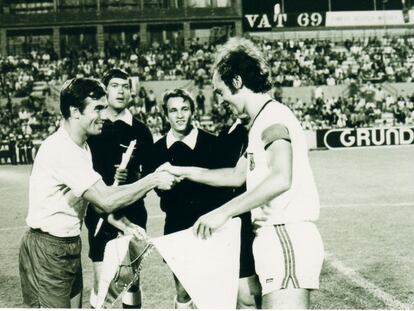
{"x":389,"y":300}
{"x":382,"y":204}
{"x":12,"y":228}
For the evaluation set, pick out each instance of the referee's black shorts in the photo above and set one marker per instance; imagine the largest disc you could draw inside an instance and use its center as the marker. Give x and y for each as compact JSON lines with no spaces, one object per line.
{"x":246,"y":246}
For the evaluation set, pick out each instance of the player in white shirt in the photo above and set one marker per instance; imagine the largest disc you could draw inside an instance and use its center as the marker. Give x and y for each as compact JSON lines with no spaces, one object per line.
{"x":62,"y":183}
{"x":281,"y":191}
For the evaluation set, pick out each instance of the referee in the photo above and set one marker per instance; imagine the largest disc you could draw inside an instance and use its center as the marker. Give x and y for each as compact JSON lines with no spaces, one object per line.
{"x":119,"y":129}
{"x":62,"y":183}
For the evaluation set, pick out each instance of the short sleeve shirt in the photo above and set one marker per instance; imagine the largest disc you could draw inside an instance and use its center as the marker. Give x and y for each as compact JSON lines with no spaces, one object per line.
{"x":61,"y":174}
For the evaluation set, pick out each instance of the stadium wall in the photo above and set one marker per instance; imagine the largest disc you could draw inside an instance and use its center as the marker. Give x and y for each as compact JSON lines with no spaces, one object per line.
{"x":334,"y":33}
{"x":345,"y":138}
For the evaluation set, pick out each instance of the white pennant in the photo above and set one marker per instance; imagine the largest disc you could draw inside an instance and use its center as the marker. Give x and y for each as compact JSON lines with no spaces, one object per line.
{"x":207,"y":269}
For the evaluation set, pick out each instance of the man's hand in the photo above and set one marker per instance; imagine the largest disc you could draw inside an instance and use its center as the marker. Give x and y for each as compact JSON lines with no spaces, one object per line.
{"x":121,"y":175}
{"x":167,"y":167}
{"x":208,"y":223}
{"x":136,"y":231}
{"x":262,"y":220}
{"x":165,"y":180}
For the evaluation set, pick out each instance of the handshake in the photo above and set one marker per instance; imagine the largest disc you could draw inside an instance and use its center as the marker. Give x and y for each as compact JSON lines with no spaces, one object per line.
{"x":166,"y":176}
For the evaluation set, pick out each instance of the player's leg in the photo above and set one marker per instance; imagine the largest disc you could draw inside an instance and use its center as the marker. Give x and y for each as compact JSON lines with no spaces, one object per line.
{"x":182,"y":299}
{"x":288,"y":298}
{"x":76,"y":294}
{"x":288,"y":262}
{"x":132,"y":299}
{"x":96,"y":251}
{"x":28,"y":276}
{"x":249,"y":293}
{"x":76,"y":301}
{"x":96,"y":269}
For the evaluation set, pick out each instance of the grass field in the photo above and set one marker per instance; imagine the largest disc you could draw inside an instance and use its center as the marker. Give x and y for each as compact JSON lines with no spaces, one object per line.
{"x":367,"y":223}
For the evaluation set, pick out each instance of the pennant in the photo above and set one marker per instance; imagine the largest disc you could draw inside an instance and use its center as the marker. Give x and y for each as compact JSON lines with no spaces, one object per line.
{"x":207,"y":269}
{"x":122,"y":263}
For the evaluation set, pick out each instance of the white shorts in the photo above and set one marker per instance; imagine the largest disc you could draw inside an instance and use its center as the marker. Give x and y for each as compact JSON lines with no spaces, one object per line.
{"x":289,"y":255}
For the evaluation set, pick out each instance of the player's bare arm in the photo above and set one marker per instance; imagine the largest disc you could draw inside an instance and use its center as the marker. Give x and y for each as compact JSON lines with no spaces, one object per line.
{"x":122,"y":223}
{"x":108,"y":199}
{"x":223,"y":177}
{"x":279,"y":160}
{"x":126,"y":226}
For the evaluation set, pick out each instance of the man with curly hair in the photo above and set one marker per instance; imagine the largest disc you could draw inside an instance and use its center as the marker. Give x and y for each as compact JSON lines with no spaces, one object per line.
{"x":281,"y":192}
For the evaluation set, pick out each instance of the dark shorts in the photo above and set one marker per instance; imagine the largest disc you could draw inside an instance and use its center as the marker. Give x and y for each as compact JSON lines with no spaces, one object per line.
{"x":246,"y":247}
{"x":107,"y":232}
{"x":50,"y":269}
{"x":247,"y":267}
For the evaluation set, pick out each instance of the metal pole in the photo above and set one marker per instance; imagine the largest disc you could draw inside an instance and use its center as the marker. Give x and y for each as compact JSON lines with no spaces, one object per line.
{"x":330,"y":6}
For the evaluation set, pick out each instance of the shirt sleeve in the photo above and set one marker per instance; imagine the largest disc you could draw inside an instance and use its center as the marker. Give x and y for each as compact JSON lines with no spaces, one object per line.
{"x":76,"y":172}
{"x":274,"y":132}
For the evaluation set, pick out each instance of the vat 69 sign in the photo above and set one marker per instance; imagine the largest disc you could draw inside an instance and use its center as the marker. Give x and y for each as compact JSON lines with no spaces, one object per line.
{"x":364,"y":137}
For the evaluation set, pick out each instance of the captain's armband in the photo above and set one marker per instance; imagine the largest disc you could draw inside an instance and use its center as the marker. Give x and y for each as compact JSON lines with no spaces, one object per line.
{"x":273,"y":133}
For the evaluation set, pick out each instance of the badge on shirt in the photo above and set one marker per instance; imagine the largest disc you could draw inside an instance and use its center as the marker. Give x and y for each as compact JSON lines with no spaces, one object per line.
{"x":250,"y":158}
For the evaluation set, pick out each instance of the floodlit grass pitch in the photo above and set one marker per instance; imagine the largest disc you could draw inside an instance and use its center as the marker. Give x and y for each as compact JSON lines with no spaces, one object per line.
{"x":366,"y":222}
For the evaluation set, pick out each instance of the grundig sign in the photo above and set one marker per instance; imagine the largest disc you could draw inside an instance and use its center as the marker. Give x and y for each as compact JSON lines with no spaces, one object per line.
{"x":365,"y":137}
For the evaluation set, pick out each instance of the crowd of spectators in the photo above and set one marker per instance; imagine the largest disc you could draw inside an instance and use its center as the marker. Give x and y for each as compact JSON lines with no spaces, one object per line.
{"x":316,"y":62}
{"x":360,"y":63}
{"x":366,"y":108}
{"x":293,"y":62}
{"x":23,"y":127}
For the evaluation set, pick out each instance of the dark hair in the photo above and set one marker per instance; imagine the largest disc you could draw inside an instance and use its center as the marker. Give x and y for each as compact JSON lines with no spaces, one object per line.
{"x":240,"y":57}
{"x":114,"y":73}
{"x":185,"y":95}
{"x":75,"y":91}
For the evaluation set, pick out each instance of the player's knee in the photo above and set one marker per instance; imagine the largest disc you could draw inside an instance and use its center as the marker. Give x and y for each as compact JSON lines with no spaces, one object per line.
{"x":249,"y":293}
{"x":182,"y":295}
{"x":287,"y":299}
{"x":246,"y":301}
{"x":97,"y":269}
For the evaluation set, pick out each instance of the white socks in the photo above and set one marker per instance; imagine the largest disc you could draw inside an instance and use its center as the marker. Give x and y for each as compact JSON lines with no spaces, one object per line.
{"x":132,"y":298}
{"x":93,"y":299}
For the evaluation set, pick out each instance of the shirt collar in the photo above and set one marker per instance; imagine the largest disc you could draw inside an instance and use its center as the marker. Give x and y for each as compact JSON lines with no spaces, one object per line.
{"x":125,"y":116}
{"x":190,"y":140}
{"x":65,"y":134}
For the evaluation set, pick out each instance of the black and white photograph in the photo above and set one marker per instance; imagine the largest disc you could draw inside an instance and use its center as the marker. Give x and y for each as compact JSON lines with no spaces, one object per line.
{"x":207,"y":154}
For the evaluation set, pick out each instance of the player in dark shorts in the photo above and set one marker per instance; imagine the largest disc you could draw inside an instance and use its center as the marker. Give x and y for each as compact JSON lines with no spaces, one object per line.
{"x":186,"y":145}
{"x":119,"y":129}
{"x":62,"y":183}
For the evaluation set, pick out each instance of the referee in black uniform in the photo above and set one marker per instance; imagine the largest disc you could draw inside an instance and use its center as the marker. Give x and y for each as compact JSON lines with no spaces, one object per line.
{"x":119,"y":129}
{"x":186,"y":145}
